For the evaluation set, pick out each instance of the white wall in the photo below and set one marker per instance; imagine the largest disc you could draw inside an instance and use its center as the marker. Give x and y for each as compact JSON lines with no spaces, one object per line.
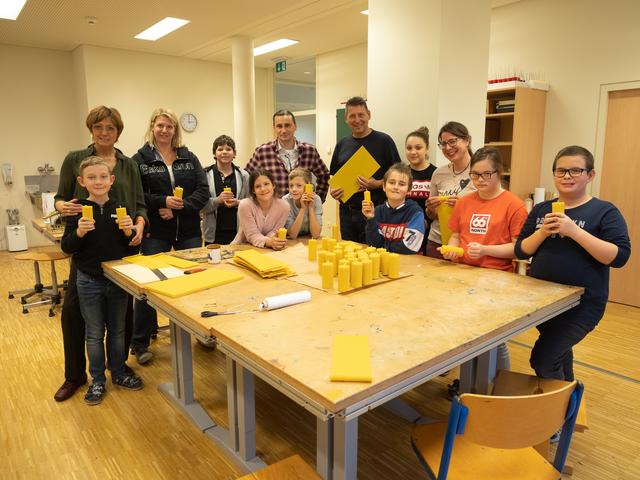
{"x":578,"y":45}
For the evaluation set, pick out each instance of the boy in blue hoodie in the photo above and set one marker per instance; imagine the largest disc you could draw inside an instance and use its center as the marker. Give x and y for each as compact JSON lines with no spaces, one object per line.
{"x":102,"y":303}
{"x":398,"y":223}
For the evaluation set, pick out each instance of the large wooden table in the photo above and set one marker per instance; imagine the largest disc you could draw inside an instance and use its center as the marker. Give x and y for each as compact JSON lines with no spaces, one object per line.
{"x":418,"y":327}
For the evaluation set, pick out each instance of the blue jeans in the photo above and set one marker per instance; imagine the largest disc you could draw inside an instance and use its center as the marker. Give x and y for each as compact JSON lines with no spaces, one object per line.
{"x":104,"y":306}
{"x":145,"y":318}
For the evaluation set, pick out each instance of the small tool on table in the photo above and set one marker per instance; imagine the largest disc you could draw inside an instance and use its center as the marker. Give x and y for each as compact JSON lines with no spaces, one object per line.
{"x":210,"y":313}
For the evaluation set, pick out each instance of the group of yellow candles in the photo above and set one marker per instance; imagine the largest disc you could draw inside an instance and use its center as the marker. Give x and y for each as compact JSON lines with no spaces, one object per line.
{"x":121,"y":212}
{"x":355,"y":265}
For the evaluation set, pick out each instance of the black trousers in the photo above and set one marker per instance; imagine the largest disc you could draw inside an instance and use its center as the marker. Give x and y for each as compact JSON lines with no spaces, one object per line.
{"x":352,"y":224}
{"x":73,"y":334}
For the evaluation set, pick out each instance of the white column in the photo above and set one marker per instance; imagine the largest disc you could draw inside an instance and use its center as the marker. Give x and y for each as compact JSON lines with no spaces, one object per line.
{"x":244,"y":97}
{"x":428,"y":62}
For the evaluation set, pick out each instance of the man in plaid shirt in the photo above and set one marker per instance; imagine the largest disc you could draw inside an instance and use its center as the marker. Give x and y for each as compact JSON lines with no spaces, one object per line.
{"x":285,"y":153}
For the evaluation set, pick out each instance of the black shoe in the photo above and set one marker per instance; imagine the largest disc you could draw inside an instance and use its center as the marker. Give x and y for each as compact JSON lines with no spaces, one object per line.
{"x":67,"y":389}
{"x":143,"y":355}
{"x":95,"y":394}
{"x":130,"y":382}
{"x":453,"y":389}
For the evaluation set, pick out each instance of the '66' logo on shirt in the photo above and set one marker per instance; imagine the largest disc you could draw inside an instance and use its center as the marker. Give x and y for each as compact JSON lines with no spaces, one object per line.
{"x":479,"y":223}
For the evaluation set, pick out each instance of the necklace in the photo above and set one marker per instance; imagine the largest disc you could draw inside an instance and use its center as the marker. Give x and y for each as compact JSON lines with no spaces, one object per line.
{"x":453,"y":169}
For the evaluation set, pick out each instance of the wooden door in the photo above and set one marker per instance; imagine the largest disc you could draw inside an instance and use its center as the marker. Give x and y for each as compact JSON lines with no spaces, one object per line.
{"x":620,"y":178}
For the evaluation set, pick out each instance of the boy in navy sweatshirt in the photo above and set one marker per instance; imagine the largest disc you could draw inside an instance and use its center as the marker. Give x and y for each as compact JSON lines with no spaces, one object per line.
{"x":102,"y":303}
{"x":576,"y":247}
{"x":398,"y":223}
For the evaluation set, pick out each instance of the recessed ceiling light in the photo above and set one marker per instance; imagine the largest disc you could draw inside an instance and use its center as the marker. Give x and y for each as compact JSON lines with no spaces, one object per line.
{"x":307,"y":73}
{"x":365,"y":12}
{"x":10,"y":9}
{"x":270,"y":47}
{"x":162,"y":28}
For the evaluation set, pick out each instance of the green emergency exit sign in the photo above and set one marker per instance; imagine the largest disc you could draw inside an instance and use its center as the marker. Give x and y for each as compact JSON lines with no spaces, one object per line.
{"x":281,"y":66}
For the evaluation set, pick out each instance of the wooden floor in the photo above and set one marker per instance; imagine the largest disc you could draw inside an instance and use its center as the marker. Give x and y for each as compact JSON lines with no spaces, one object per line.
{"x":139,"y":435}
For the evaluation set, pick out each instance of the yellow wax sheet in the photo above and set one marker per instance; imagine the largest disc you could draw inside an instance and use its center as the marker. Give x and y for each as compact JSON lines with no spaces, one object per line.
{"x":266,"y":266}
{"x":350,"y":359}
{"x":186,"y":284}
{"x":444,"y":213}
{"x":360,"y":164}
{"x":159,"y":260}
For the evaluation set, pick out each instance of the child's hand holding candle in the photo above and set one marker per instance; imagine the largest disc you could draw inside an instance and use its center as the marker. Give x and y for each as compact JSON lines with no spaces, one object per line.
{"x":124,"y":220}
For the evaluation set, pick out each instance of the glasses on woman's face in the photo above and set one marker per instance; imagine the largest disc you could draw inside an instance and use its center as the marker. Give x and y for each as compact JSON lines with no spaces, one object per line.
{"x":484,"y":175}
{"x":448,"y":143}
{"x":573,"y":172}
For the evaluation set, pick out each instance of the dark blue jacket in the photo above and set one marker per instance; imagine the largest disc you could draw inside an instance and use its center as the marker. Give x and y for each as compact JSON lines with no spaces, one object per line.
{"x":399,"y":230}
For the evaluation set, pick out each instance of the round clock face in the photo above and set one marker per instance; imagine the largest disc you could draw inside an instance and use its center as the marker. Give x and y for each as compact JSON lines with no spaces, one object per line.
{"x":188,"y":122}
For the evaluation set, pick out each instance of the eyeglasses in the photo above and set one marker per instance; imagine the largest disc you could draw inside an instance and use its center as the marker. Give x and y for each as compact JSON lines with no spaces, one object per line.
{"x":573,"y":172}
{"x":449,"y":143}
{"x":103,"y":128}
{"x":484,"y":175}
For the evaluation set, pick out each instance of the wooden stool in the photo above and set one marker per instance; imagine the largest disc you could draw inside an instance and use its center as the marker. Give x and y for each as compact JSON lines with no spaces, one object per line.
{"x":292,"y":468}
{"x":49,"y":294}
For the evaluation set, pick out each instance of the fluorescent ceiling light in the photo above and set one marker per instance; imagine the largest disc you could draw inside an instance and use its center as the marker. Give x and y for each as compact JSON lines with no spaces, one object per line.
{"x":162,"y":28}
{"x":10,"y":9}
{"x":270,"y":47}
{"x":365,"y":12}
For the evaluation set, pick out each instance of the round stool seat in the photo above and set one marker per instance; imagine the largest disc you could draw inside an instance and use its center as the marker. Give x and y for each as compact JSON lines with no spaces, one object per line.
{"x":42,"y":256}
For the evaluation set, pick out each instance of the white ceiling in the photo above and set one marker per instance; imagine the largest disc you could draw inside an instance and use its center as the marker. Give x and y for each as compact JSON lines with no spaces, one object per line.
{"x":319,"y":25}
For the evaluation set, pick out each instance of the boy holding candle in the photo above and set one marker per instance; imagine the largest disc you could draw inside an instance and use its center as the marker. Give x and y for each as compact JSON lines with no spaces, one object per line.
{"x":305,"y":216}
{"x":576,"y":247}
{"x":398,"y":223}
{"x":94,"y":237}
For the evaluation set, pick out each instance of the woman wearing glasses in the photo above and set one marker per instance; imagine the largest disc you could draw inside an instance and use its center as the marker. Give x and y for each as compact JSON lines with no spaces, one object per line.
{"x":451,"y":181}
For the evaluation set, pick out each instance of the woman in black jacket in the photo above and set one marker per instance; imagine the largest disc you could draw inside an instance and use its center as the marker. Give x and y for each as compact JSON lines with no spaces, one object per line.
{"x":175,"y":190}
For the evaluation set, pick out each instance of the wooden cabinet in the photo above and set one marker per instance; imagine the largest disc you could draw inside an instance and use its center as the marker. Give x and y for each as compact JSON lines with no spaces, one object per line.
{"x":517,"y":135}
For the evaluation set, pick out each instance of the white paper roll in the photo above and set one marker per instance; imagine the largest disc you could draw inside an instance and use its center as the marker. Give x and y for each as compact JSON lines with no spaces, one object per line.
{"x":279,"y":301}
{"x":538,"y":195}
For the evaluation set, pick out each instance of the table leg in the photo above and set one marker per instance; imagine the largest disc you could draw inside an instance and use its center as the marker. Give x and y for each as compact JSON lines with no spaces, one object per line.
{"x":345,"y":448}
{"x":246,"y":413}
{"x":486,"y":371}
{"x":232,"y":404}
{"x":324,"y":447}
{"x":467,"y":375}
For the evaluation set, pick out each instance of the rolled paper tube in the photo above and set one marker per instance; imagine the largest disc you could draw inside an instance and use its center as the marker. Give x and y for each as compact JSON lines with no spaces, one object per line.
{"x":321,"y":259}
{"x":557,"y":207}
{"x":449,"y":248}
{"x":327,"y":275}
{"x":367,"y":274}
{"x":384,"y":263}
{"x":343,"y":277}
{"x":331,"y":257}
{"x":334,"y":232}
{"x":375,"y":265}
{"x":443,"y":198}
{"x":394,"y":265}
{"x":121,"y":212}
{"x":279,"y":301}
{"x":308,"y":188}
{"x":313,"y":248}
{"x":227,"y":189}
{"x":87,"y":212}
{"x":282,"y":233}
{"x":177,"y":192}
{"x":356,"y":274}
{"x":367,"y":196}
{"x":331,"y":244}
{"x":325,"y":243}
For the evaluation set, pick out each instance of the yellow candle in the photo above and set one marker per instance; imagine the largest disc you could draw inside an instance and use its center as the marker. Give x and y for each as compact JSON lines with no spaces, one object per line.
{"x":334,"y":232}
{"x":339,"y":253}
{"x":367,"y":272}
{"x":331,"y":244}
{"x":356,"y":274}
{"x":282,"y":233}
{"x":343,"y":276}
{"x":375,"y":265}
{"x":308,"y":188}
{"x":325,"y":243}
{"x":121,"y":212}
{"x":370,"y":250}
{"x":451,"y":249}
{"x":177,"y":192}
{"x":384,"y":263}
{"x":313,"y":248}
{"x":557,"y":207}
{"x":331,"y":257}
{"x":87,"y":212}
{"x":367,"y":196}
{"x":321,"y":258}
{"x":394,"y":265}
{"x":227,"y":189}
{"x":327,"y":275}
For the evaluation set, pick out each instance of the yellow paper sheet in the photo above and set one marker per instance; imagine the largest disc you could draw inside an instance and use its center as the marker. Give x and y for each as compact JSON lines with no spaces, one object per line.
{"x":180,"y":286}
{"x":444,"y":213}
{"x":160,"y":260}
{"x":351,"y":359}
{"x":360,"y":164}
{"x":176,"y":262}
{"x":264,"y":265}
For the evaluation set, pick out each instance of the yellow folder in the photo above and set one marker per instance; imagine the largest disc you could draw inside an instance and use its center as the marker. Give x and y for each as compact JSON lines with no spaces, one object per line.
{"x":360,"y":164}
{"x":186,"y":284}
{"x":351,"y":359}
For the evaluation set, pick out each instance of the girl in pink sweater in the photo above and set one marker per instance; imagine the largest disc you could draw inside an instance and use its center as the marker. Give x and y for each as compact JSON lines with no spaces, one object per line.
{"x":262,"y":214}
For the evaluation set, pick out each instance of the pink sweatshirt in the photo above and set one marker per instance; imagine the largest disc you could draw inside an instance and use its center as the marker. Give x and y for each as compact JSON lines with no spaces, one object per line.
{"x":254,"y":226}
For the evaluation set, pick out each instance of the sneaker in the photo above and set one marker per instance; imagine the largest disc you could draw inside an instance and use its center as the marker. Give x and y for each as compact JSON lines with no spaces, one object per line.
{"x":555,"y":438}
{"x":95,"y":394}
{"x":143,"y":355}
{"x":130,"y":382}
